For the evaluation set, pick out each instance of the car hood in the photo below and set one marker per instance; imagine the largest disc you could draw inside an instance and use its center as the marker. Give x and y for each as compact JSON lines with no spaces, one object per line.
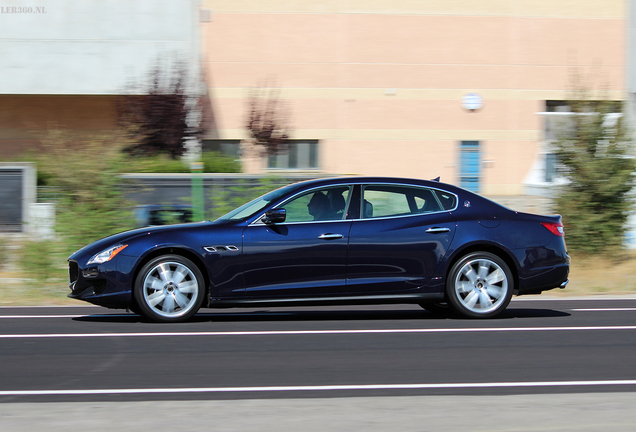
{"x":127,"y":236}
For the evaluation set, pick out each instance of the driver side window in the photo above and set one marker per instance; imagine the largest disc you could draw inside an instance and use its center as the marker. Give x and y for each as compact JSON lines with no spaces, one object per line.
{"x":318,"y":205}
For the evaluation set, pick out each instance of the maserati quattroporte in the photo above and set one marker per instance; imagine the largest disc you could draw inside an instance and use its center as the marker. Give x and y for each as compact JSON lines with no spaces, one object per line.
{"x":331,"y":241}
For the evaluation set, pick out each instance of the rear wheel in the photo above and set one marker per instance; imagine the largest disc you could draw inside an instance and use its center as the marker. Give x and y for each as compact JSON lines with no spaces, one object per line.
{"x":479,"y":285}
{"x":169,"y":288}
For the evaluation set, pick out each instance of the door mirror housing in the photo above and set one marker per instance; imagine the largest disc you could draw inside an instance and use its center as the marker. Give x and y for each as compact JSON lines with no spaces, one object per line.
{"x":274,"y":216}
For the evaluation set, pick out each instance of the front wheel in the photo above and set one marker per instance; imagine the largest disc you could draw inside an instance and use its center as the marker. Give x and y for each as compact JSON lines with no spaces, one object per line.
{"x":169,"y":288}
{"x":480,"y":285}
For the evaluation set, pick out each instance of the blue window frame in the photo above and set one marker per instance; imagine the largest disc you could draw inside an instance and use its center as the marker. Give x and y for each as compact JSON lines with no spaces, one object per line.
{"x":470,"y":165}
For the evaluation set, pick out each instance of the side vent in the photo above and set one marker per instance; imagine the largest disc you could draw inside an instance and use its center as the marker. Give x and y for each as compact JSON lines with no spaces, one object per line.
{"x":215,"y":249}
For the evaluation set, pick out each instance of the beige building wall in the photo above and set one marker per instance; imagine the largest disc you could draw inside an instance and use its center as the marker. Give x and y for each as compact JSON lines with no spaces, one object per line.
{"x":379,"y":82}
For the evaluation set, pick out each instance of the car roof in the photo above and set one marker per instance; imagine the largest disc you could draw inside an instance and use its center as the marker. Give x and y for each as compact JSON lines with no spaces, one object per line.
{"x":387,"y":180}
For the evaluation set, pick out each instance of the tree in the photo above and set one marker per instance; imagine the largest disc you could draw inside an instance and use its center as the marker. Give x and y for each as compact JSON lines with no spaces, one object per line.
{"x":166,"y":114}
{"x":267,"y":123}
{"x":597,"y":159}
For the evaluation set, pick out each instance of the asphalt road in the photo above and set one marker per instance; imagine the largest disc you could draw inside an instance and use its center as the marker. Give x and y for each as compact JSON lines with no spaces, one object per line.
{"x":544,"y":364}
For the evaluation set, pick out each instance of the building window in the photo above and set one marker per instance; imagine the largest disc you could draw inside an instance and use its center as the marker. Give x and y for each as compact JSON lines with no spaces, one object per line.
{"x":231,"y":148}
{"x":469,"y":165}
{"x":302,"y":154}
{"x":550,"y":167}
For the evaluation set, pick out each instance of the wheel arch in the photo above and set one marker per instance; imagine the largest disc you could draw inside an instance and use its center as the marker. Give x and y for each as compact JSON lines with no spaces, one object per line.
{"x":173,"y":250}
{"x":486,"y":247}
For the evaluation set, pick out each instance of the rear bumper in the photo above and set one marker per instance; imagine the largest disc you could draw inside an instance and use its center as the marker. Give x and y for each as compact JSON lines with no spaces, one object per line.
{"x":544,"y":280}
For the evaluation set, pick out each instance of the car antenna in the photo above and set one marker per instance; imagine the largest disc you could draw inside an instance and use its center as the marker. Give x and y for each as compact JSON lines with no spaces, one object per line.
{"x":436,"y":179}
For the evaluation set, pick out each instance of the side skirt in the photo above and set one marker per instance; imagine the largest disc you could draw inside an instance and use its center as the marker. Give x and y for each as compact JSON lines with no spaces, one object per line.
{"x":332,"y":301}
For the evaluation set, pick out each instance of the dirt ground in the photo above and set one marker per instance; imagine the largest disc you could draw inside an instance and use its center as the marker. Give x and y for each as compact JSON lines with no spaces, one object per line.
{"x":601,"y":275}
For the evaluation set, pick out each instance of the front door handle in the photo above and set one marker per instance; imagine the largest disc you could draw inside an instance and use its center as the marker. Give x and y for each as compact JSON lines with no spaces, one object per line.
{"x":437,"y":230}
{"x":330,"y":236}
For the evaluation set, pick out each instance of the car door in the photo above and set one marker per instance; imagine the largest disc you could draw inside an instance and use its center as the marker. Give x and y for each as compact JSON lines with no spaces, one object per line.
{"x":400,"y":239}
{"x":304,"y":256}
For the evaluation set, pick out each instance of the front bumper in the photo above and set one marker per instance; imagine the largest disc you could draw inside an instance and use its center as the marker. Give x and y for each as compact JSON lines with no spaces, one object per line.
{"x":107,"y":284}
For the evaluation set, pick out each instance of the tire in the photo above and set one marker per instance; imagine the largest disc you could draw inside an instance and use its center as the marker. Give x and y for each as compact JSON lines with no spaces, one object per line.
{"x":169,"y":288}
{"x":479,"y":285}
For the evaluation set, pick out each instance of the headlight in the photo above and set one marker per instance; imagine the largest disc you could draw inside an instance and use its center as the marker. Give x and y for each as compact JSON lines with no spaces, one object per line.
{"x":106,"y":255}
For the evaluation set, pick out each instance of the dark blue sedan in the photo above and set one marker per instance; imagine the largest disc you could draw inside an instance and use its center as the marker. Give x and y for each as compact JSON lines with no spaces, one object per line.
{"x":331,"y":241}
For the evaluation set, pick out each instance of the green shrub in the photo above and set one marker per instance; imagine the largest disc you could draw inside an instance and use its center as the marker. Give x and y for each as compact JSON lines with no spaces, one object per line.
{"x":41,"y":260}
{"x":152,"y":164}
{"x":596,"y":159}
{"x":227,"y":199}
{"x":214,"y":162}
{"x":90,"y":202}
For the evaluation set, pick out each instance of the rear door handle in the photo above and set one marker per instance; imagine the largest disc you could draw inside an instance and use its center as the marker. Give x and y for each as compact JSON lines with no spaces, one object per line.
{"x":330,"y":236}
{"x":437,"y":230}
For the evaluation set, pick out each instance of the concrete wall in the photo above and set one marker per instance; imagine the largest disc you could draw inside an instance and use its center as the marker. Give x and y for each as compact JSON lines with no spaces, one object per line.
{"x":18,"y":190}
{"x":176,"y":189}
{"x":91,"y":47}
{"x":63,"y":61}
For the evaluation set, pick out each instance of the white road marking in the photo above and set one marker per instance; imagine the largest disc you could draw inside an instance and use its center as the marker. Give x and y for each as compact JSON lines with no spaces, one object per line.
{"x":605,"y":310}
{"x":594,"y":298}
{"x":317,"y":388}
{"x":74,"y":305}
{"x":43,"y":316}
{"x":315,"y":332}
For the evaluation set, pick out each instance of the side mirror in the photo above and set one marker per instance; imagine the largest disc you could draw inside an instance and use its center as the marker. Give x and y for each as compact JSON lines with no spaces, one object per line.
{"x":274,"y":216}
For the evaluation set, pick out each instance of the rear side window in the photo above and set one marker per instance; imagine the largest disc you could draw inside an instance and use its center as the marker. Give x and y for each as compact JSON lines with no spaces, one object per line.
{"x":382,"y":203}
{"x":447,"y":200}
{"x":394,"y":200}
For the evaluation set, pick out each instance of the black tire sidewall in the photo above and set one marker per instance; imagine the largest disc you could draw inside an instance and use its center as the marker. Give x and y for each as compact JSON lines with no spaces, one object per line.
{"x":451,"y":294}
{"x":148,"y":312}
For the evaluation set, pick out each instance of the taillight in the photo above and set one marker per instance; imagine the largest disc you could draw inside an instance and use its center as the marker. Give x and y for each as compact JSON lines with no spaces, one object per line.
{"x":555,"y":228}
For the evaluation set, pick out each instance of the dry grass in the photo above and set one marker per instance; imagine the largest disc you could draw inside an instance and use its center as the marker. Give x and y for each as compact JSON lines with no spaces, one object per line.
{"x":601,"y":275}
{"x":15,"y":290}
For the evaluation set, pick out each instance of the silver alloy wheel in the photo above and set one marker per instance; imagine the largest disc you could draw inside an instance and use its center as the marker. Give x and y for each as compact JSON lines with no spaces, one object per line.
{"x":170,"y":289}
{"x":481,"y":286}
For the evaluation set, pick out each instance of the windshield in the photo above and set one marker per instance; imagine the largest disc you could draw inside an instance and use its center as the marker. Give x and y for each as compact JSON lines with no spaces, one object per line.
{"x":255,"y":206}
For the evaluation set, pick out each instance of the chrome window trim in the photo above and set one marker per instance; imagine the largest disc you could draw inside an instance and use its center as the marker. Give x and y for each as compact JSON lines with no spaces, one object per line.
{"x":258,"y":220}
{"x":401,"y":216}
{"x":411,"y":186}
